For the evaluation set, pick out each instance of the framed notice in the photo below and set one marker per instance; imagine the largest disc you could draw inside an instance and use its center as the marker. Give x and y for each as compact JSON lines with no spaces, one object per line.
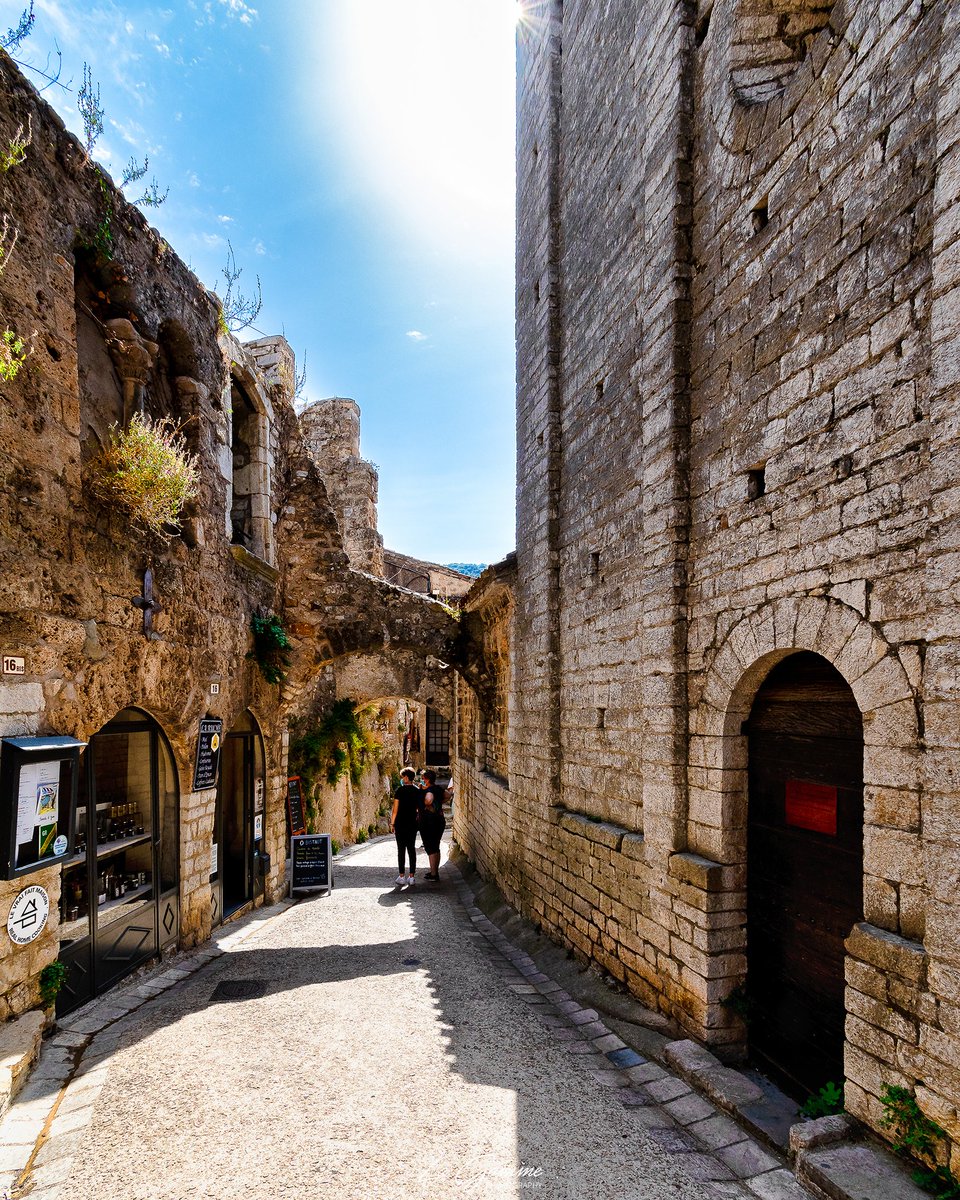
{"x":38,"y":799}
{"x":295,"y":811}
{"x":811,"y":806}
{"x":209,"y":741}
{"x":311,"y":863}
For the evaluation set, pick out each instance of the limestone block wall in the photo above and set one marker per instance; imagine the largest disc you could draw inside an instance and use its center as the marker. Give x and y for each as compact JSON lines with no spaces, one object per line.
{"x":737,"y":437}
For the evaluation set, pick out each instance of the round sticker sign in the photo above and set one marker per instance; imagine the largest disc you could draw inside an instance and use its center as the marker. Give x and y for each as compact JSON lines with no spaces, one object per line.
{"x":60,"y":845}
{"x":28,"y":915}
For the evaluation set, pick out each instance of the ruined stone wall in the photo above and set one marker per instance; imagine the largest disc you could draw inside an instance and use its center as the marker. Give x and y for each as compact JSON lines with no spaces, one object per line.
{"x":737,"y":423}
{"x":430,"y":578}
{"x":332,"y":432}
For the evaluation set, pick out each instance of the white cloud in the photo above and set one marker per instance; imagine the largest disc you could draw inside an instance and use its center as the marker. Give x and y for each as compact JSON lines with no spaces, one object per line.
{"x":224,"y":219}
{"x":212,"y":239}
{"x":242,"y":12}
{"x":259,"y":248}
{"x":161,"y":47}
{"x":416,"y":336}
{"x":193,"y":179}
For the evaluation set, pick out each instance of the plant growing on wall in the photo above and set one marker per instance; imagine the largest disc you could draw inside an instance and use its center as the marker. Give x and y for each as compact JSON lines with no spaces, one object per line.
{"x":336,"y":746}
{"x":52,"y":978}
{"x":916,"y":1137}
{"x":13,"y":354}
{"x":146,"y":471}
{"x":271,"y":646}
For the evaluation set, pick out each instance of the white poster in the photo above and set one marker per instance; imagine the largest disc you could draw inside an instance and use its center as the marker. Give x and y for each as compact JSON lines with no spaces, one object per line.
{"x":258,"y":827}
{"x":214,"y":857}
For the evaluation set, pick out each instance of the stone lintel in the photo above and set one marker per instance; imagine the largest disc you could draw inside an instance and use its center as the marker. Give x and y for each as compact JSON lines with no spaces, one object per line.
{"x":888,"y":951}
{"x":704,"y":873}
{"x":254,"y":564}
{"x":602,"y":832}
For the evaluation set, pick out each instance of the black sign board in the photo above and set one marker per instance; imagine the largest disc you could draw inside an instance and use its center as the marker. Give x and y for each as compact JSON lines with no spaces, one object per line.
{"x":208,"y":753}
{"x":310,"y":862}
{"x":298,"y":823}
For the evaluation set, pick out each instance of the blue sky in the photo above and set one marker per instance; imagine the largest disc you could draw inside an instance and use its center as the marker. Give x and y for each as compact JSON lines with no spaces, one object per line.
{"x":358,"y":154}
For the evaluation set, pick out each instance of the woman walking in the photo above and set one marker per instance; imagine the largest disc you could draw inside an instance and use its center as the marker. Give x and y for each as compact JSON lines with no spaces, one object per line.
{"x":407,"y":806}
{"x":432,"y":823}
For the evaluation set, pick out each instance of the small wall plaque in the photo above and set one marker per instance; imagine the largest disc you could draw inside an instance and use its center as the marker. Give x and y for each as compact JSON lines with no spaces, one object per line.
{"x":12,"y":665}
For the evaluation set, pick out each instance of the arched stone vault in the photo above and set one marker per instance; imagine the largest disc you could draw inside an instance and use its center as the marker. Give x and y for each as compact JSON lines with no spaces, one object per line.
{"x":404,"y":673}
{"x":717,"y":805}
{"x":333,"y":612}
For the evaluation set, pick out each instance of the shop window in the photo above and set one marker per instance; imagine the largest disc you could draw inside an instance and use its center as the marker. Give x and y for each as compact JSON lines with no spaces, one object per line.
{"x":250,"y":523}
{"x":771,"y":38}
{"x":118,"y":897}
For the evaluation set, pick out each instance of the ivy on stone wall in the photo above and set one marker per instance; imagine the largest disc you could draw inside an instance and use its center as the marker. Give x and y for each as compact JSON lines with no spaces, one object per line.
{"x":338,"y":744}
{"x":271,"y":646}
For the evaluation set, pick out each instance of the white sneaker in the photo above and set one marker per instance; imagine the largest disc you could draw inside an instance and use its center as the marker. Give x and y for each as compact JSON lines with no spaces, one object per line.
{"x":400,"y":880}
{"x":410,"y":881}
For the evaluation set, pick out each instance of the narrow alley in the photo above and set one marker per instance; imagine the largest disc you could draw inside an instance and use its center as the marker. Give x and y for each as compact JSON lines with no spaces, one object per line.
{"x":373,"y":1043}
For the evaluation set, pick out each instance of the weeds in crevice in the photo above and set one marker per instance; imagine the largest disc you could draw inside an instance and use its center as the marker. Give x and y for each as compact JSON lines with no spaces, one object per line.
{"x":918,"y":1139}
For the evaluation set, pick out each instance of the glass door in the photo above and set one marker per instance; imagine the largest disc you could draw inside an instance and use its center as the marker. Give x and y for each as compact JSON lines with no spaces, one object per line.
{"x":126,"y":858}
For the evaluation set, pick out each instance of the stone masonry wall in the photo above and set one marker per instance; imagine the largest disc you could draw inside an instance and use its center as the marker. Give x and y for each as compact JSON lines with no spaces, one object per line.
{"x":737,"y":437}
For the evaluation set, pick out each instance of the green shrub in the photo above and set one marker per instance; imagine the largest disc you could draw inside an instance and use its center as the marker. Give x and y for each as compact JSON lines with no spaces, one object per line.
{"x":917,"y":1138}
{"x":361,"y":835}
{"x":271,"y":646}
{"x":334,"y":846}
{"x":825,"y":1103}
{"x":52,"y":978}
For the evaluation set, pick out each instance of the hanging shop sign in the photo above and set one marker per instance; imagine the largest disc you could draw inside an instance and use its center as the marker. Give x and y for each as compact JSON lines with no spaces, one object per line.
{"x":310,"y":865}
{"x":295,"y":806}
{"x":28,"y":915}
{"x":209,"y":741}
{"x":38,"y":800}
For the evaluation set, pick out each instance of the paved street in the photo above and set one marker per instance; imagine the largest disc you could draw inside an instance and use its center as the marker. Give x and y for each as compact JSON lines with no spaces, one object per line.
{"x":374,"y":1043}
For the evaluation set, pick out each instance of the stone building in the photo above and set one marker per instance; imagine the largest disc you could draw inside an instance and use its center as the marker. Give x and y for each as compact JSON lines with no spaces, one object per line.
{"x":721,"y":755}
{"x":134,"y":647}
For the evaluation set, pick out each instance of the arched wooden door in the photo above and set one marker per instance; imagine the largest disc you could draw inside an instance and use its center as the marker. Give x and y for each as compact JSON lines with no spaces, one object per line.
{"x":805,"y":866}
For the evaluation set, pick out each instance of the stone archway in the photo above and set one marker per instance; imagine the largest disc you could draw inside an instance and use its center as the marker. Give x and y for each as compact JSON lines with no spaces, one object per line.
{"x":717,"y":812}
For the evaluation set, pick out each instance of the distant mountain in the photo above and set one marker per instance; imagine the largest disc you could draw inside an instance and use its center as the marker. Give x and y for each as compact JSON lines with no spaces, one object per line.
{"x":472,"y":569}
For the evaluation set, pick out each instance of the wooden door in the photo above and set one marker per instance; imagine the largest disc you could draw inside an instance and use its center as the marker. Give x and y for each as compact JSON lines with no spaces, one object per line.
{"x":805,"y":866}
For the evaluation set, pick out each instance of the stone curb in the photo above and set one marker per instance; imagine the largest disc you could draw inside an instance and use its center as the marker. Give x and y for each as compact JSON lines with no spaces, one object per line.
{"x":716,"y":1151}
{"x":833,"y":1157}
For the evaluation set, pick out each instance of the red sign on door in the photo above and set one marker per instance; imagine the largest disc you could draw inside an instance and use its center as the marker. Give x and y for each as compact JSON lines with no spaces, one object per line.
{"x":811,"y":806}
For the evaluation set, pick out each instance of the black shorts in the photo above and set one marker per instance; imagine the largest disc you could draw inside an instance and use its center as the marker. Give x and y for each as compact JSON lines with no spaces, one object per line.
{"x":431,"y":835}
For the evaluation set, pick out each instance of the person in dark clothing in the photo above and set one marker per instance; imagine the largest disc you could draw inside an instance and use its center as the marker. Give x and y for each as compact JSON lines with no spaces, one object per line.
{"x":432,"y":823}
{"x":404,"y":820}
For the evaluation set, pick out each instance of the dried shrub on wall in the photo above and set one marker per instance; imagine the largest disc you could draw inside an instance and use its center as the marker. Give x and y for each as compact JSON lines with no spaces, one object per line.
{"x":146,"y":471}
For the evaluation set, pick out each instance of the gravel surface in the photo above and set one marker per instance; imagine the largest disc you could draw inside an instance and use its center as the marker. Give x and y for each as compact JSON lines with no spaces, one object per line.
{"x":388,"y":1056}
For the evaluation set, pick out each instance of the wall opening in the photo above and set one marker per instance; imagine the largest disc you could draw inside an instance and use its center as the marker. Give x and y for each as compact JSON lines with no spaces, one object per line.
{"x":805,"y":866}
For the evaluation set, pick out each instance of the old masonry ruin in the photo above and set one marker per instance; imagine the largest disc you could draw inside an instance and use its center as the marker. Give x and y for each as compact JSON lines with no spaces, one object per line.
{"x":128,"y":659}
{"x":721,"y":758}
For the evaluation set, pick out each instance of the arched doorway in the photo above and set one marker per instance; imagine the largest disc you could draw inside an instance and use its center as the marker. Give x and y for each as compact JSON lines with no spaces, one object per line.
{"x":118,"y":896}
{"x":805,"y":866}
{"x":238,"y":836}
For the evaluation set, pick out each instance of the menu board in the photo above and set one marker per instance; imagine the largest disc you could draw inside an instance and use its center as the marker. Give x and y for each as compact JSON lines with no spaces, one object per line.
{"x":208,"y":753}
{"x":298,"y":822}
{"x":38,"y":788}
{"x":310,"y":862}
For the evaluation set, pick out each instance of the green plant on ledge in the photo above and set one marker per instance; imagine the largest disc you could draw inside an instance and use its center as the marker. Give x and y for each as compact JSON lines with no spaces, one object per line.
{"x":271,"y":647}
{"x":52,"y":978}
{"x":147,"y":472}
{"x":13,"y":354}
{"x":916,"y":1137}
{"x":827,"y":1102}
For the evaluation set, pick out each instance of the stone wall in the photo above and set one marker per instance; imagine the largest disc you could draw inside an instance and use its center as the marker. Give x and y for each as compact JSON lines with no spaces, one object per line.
{"x":737,"y":431}
{"x":116,"y":324}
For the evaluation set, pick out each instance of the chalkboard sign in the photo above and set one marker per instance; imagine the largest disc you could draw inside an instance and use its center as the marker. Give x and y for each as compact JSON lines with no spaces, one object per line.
{"x":295,"y":805}
{"x":310,"y":862}
{"x":208,"y":753}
